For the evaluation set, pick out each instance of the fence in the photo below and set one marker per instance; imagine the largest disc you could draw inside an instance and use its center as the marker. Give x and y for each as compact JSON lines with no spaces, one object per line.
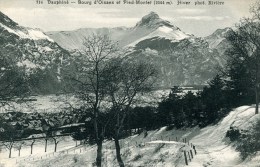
{"x":188,"y":150}
{"x":189,"y":154}
{"x":74,"y":150}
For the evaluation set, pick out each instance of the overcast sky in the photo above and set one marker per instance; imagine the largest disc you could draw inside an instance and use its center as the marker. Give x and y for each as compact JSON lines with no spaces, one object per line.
{"x":197,"y":20}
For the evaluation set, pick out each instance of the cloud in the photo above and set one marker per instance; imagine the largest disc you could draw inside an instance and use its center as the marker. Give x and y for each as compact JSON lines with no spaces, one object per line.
{"x":188,"y":11}
{"x":204,"y":18}
{"x":68,"y":18}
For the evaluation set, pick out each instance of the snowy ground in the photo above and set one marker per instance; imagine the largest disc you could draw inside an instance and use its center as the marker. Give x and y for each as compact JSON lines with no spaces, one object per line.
{"x":159,"y":148}
{"x":57,"y":103}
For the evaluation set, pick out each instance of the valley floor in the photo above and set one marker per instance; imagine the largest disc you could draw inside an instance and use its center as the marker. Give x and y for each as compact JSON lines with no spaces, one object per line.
{"x":161,"y":148}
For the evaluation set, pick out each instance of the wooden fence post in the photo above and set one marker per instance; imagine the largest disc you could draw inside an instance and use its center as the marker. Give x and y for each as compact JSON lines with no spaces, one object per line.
{"x":194,"y":148}
{"x":185,"y":156}
{"x":191,"y":154}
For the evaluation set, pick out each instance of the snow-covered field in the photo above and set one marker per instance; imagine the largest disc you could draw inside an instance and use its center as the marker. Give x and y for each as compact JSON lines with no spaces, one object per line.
{"x":57,"y":103}
{"x":157,"y":148}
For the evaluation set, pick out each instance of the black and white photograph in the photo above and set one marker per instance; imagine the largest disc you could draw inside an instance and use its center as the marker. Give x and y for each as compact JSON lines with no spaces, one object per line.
{"x":129,"y":83}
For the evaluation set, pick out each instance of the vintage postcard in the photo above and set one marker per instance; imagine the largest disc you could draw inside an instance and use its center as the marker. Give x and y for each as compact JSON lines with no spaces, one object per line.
{"x":129,"y":83}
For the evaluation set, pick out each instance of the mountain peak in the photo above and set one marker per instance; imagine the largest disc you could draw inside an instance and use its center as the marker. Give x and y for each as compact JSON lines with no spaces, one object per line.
{"x":219,"y":33}
{"x":152,"y":20}
{"x":5,"y":20}
{"x":223,"y":31}
{"x":151,"y":16}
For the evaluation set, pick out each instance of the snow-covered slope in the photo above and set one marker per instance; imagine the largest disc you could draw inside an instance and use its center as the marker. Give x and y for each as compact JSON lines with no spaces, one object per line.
{"x":165,"y":32}
{"x":27,"y":33}
{"x":216,"y":150}
{"x":22,"y":32}
{"x":161,"y":148}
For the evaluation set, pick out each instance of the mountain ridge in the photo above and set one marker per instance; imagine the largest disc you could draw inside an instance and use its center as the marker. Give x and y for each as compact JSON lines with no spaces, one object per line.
{"x":181,"y":58}
{"x":149,"y":23}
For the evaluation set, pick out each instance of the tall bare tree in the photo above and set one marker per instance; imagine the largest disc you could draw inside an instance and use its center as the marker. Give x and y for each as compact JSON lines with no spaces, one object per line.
{"x":87,"y":80}
{"x":245,"y":41}
{"x":125,"y":80}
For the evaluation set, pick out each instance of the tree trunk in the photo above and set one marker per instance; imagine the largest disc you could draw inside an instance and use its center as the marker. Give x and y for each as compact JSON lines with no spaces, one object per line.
{"x":46,"y":142}
{"x":10,"y":148}
{"x":256,"y":100}
{"x":98,"y":137}
{"x":55,"y":144}
{"x":118,"y":154}
{"x":257,"y":88}
{"x":99,"y":153}
{"x":55,"y":148}
{"x":32,"y":146}
{"x":10,"y":152}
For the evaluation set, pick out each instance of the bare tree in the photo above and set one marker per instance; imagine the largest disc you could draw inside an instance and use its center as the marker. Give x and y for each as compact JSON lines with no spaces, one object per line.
{"x":8,"y":135}
{"x":56,"y":141}
{"x":245,"y":41}
{"x":87,"y":80}
{"x":9,"y":145}
{"x":18,"y":146}
{"x":125,"y":80}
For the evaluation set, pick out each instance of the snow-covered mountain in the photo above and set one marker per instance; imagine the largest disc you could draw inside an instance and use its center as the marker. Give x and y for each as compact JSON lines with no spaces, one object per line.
{"x":149,"y":26}
{"x":158,"y":27}
{"x":182,"y":58}
{"x":33,"y":51}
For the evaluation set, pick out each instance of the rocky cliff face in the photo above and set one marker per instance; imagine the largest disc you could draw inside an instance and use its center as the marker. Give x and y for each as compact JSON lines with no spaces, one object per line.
{"x":36,"y":53}
{"x":218,"y":41}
